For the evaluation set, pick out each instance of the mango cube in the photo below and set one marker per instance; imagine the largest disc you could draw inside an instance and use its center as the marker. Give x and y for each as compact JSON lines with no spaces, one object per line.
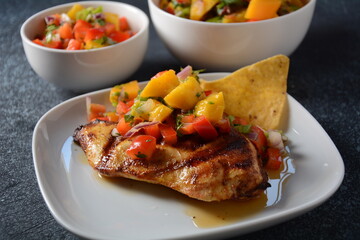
{"x":161,"y":84}
{"x":127,"y":91}
{"x":72,"y":12}
{"x":112,"y":18}
{"x":186,"y":95}
{"x":262,"y":9}
{"x":160,"y":113}
{"x":212,"y":107}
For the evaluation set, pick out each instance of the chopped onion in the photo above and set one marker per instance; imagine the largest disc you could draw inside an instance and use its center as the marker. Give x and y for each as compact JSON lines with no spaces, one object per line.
{"x":183,"y":74}
{"x":64,"y":18}
{"x":252,"y":135}
{"x":275,"y":140}
{"x":115,"y":133}
{"x":138,"y":127}
{"x":99,"y":16}
{"x":49,"y":20}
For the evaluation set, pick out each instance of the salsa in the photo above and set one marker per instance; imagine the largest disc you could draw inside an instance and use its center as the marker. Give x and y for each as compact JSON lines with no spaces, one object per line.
{"x":230,"y":11}
{"x":179,"y":108}
{"x":84,"y":28}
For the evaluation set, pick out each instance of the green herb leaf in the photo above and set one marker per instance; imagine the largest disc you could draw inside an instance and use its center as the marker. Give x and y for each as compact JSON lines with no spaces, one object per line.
{"x":140,"y":155}
{"x":243,"y":128}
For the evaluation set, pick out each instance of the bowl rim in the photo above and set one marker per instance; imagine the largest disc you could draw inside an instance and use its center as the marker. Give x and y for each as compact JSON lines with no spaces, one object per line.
{"x":152,"y":4}
{"x":142,"y":30}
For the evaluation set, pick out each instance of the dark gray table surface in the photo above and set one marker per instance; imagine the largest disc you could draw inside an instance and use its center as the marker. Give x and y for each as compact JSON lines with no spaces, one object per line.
{"x":324,"y":77}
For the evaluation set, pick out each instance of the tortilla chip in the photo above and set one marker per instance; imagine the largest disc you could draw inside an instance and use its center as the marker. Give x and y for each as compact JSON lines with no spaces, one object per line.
{"x":256,"y":93}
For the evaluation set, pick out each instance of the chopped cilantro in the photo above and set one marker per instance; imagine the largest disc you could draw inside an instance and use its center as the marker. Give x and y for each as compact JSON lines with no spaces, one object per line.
{"x":128,"y":117}
{"x":243,"y":128}
{"x":140,"y":155}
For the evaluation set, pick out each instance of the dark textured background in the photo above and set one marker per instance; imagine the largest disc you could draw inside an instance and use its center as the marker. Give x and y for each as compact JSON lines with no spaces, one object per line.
{"x":324,"y":77}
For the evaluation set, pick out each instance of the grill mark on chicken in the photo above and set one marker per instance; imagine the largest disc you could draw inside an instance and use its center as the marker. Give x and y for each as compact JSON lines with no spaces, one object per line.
{"x":226,"y":168}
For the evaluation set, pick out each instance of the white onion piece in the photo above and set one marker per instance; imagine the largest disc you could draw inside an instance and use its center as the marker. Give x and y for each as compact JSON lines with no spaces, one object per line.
{"x":138,"y":127}
{"x":183,"y":74}
{"x":115,"y":133}
{"x":275,"y":140}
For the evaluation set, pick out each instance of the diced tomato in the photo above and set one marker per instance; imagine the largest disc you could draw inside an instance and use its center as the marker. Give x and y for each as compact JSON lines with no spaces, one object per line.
{"x":273,"y":159}
{"x":38,"y":41}
{"x":187,"y":126}
{"x":123,"y":127}
{"x":223,"y":125}
{"x":109,"y":28}
{"x":142,"y":147}
{"x":204,"y":128}
{"x":207,"y":92}
{"x":97,"y":108}
{"x":170,"y":121}
{"x":153,"y":130}
{"x":80,"y":29}
{"x":122,"y":108}
{"x":81,"y":23}
{"x":93,"y":34}
{"x":123,"y":24}
{"x":96,"y":111}
{"x":130,"y":103}
{"x":240,"y":121}
{"x":260,"y":140}
{"x":188,"y":118}
{"x":53,"y":44}
{"x":74,"y":45}
{"x":118,"y":36}
{"x":65,"y":31}
{"x":168,"y":133}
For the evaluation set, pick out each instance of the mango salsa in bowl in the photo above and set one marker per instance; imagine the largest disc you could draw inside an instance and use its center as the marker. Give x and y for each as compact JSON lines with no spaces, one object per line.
{"x":98,"y":63}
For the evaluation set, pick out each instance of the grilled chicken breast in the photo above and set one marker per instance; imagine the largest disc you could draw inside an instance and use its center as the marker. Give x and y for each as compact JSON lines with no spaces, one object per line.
{"x":226,"y":168}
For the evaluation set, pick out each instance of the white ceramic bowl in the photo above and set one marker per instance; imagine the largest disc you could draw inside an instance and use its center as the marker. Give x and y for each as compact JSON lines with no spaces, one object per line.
{"x":229,"y":46}
{"x":85,"y":70}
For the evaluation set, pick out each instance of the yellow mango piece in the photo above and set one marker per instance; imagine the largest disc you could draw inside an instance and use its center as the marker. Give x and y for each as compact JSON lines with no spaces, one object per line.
{"x":72,"y":12}
{"x":93,"y":44}
{"x":186,"y":95}
{"x":128,"y":91}
{"x":212,"y":107}
{"x":235,"y":17}
{"x":262,"y":9}
{"x":112,"y":18}
{"x":161,"y":85}
{"x":200,"y":7}
{"x":160,"y":113}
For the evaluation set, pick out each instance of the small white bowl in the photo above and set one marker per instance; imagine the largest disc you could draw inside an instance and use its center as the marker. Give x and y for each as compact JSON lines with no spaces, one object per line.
{"x":86,"y":70}
{"x":229,"y":46}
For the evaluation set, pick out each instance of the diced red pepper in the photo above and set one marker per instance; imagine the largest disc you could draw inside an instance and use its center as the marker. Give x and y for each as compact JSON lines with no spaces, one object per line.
{"x":168,"y":133}
{"x":153,"y":130}
{"x":204,"y":128}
